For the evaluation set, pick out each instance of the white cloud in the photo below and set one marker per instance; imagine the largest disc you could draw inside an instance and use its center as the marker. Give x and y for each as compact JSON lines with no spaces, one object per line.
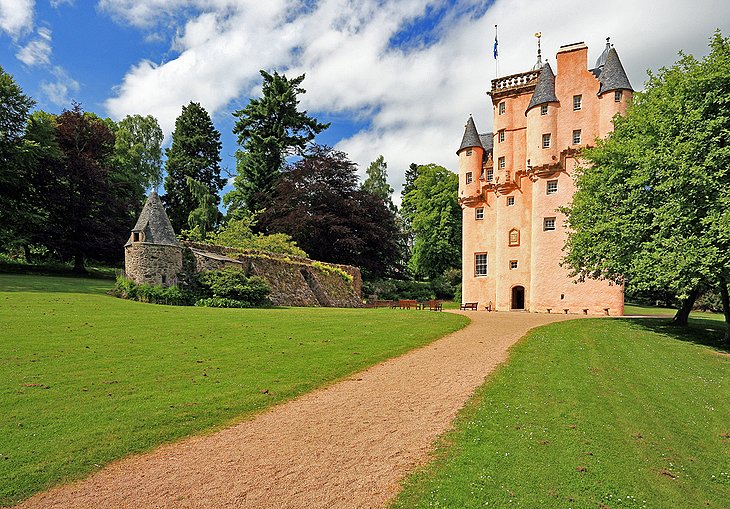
{"x":58,"y":90}
{"x":57,"y":3}
{"x":38,"y":50}
{"x":413,"y":99}
{"x":16,"y":17}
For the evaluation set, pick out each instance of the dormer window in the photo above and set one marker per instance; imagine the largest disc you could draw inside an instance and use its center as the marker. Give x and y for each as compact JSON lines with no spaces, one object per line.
{"x":543,"y":109}
{"x":501,"y":108}
{"x":490,"y":175}
{"x":468,"y":152}
{"x":136,"y":236}
{"x":617,"y":95}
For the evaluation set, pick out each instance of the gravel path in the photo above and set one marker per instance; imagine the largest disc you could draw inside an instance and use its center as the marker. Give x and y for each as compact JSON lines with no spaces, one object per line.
{"x":346,"y":446}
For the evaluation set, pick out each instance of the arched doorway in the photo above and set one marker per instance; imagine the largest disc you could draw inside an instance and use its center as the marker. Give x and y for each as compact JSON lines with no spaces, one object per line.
{"x":518,"y":297}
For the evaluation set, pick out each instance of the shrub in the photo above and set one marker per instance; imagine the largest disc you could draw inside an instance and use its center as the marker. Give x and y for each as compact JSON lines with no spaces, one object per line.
{"x":330,"y":269}
{"x":395,"y":289}
{"x":153,"y":294}
{"x":232,"y":283}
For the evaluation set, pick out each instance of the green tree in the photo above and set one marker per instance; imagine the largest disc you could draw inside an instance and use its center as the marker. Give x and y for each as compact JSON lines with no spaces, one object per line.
{"x":194,"y":153}
{"x":376,"y":182}
{"x":138,"y":149}
{"x":238,"y":233}
{"x":86,"y":201}
{"x":432,"y":209}
{"x":269,"y":129}
{"x":14,"y":109}
{"x":652,"y":207}
{"x":206,"y":215}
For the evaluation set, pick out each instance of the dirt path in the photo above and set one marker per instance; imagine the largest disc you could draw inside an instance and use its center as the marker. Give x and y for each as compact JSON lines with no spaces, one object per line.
{"x":346,"y":446}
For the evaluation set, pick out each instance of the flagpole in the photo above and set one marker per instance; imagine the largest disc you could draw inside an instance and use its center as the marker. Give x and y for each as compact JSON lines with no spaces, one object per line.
{"x":496,"y":53}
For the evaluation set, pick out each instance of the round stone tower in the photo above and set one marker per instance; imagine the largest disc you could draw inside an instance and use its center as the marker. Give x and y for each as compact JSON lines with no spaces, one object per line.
{"x":153,"y":254}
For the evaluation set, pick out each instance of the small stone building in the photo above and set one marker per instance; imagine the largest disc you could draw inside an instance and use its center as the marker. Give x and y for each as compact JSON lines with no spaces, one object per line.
{"x":153,"y":254}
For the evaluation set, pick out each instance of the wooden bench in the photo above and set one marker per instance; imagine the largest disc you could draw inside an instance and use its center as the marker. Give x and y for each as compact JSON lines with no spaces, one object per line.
{"x":472,"y":306}
{"x":408,"y":304}
{"x":433,"y":305}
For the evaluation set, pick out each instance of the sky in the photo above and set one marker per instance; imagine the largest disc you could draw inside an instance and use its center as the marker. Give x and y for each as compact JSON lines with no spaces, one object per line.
{"x":394,"y":77}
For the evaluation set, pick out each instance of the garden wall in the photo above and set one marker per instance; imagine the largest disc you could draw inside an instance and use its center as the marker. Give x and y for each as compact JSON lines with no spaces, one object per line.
{"x":294,"y":281}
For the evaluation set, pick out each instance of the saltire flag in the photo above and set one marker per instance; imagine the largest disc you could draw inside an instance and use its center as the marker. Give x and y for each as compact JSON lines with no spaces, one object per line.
{"x":496,"y":43}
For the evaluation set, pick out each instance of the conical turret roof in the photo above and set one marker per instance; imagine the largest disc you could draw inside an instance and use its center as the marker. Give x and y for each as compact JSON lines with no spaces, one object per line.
{"x":471,"y":136}
{"x":545,"y":88}
{"x":154,"y":223}
{"x":613,"y":76}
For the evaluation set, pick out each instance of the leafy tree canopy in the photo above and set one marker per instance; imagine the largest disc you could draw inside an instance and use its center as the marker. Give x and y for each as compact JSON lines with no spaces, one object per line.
{"x":376,"y":182}
{"x":194,"y":153}
{"x":653,"y":205}
{"x":431,"y":208}
{"x":269,"y":129}
{"x":138,"y":149}
{"x":319,"y":204}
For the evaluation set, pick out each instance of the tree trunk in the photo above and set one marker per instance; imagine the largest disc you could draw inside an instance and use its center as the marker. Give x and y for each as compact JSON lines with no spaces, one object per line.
{"x":26,"y":252}
{"x":725,"y":306}
{"x":79,"y":264}
{"x":682,"y":316}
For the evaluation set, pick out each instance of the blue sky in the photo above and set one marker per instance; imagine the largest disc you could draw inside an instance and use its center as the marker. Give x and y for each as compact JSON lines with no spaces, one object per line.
{"x":394,"y":77}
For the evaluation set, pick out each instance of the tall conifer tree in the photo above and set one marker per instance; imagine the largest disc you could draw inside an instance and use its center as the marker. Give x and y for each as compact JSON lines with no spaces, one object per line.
{"x":194,"y":153}
{"x":269,"y":129}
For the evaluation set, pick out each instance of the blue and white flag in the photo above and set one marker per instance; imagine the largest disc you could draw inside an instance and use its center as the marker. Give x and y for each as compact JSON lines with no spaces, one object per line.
{"x":496,"y":43}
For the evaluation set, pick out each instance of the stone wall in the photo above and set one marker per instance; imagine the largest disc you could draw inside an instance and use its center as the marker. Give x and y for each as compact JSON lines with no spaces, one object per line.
{"x":294,"y":281}
{"x":153,"y":263}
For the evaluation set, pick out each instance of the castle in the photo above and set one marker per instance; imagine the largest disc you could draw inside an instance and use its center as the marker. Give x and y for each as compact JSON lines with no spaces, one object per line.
{"x":513,"y":231}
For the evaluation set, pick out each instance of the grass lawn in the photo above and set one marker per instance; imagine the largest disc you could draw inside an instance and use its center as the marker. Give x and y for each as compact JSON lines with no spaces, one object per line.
{"x":86,"y":378}
{"x":594,"y":413}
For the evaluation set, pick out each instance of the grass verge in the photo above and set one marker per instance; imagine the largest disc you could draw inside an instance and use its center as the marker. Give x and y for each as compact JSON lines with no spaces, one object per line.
{"x":86,"y":378}
{"x":592,"y":414}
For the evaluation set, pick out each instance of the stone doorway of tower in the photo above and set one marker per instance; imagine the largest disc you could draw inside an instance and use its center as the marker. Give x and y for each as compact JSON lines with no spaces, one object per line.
{"x":517,"y":303}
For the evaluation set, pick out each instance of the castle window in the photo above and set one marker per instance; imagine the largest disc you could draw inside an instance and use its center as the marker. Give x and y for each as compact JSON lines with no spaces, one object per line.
{"x":543,"y":109}
{"x":617,"y":95}
{"x":548,"y":224}
{"x":514,"y":237}
{"x":546,"y":141}
{"x":577,"y":102}
{"x":490,"y":175}
{"x":510,"y":201}
{"x":135,"y":236}
{"x":552,"y":186}
{"x":576,"y":137}
{"x":469,"y":177}
{"x":502,"y":163}
{"x":480,"y":264}
{"x":468,"y":152}
{"x":479,"y":213}
{"x":501,"y":108}
{"x":513,"y":265}
{"x":501,"y":136}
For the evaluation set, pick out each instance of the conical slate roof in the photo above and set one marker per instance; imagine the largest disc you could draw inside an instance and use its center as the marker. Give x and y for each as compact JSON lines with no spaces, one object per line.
{"x":155,"y":224}
{"x":545,"y":88}
{"x":471,"y":136}
{"x":613,"y":76}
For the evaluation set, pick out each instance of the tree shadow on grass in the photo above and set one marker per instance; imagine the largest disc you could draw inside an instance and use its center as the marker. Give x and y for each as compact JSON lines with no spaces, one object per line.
{"x":53,"y":284}
{"x":701,"y":331}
